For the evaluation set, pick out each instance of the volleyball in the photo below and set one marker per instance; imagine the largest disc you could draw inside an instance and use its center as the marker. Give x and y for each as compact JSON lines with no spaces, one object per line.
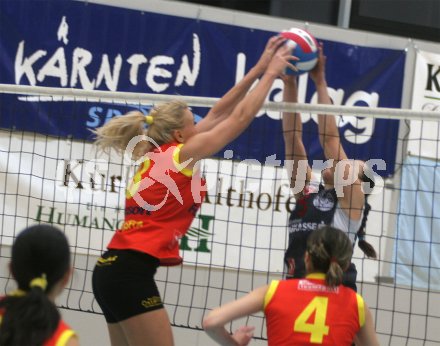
{"x":305,"y":48}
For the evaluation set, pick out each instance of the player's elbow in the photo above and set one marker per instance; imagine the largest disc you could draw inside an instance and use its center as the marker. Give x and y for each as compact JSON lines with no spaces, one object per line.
{"x":242,"y":115}
{"x":213,"y":320}
{"x":208,"y":322}
{"x":288,"y":138}
{"x":322,"y":140}
{"x":329,"y":140}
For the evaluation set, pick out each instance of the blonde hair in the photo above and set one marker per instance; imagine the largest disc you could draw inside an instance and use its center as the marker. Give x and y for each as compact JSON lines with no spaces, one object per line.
{"x":330,"y":251}
{"x":119,"y":131}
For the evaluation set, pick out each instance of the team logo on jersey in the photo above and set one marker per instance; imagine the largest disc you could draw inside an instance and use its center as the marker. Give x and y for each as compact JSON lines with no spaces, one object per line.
{"x":324,"y":202}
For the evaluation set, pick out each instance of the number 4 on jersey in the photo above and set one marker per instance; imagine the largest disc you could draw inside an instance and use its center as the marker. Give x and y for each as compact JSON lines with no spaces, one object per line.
{"x":318,"y":329}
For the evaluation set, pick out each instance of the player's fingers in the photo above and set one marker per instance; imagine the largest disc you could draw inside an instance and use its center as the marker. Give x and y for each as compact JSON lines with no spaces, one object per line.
{"x":273,"y":42}
{"x":284,"y":49}
{"x":277,"y":42}
{"x":292,"y":67}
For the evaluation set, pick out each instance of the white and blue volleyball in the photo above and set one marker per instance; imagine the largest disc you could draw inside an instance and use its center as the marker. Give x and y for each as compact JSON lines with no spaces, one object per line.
{"x":305,"y":48}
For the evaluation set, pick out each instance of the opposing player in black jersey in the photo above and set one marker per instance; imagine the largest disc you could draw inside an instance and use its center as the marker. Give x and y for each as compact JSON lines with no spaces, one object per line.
{"x":320,"y":204}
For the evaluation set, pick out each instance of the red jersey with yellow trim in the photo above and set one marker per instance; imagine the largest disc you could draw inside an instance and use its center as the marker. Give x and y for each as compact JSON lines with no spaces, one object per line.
{"x":308,"y":312}
{"x":160,"y":205}
{"x":62,"y":334}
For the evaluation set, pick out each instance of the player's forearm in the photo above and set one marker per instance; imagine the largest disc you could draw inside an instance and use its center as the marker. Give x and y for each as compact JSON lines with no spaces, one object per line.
{"x":210,"y":142}
{"x":221,"y":336}
{"x":252,"y":103}
{"x":328,"y":130}
{"x":291,"y":122}
{"x":228,"y":102}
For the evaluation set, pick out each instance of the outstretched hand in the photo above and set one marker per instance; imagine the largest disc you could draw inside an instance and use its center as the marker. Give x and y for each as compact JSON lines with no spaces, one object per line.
{"x":289,"y":79}
{"x":243,"y":335}
{"x":271,"y":47}
{"x":281,"y":60}
{"x":318,"y":72}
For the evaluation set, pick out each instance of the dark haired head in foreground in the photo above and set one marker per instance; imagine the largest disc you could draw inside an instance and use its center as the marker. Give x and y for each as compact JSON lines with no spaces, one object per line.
{"x":40,"y":265}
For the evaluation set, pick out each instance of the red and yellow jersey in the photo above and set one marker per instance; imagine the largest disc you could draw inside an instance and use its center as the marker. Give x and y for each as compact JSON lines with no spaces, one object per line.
{"x":161,"y":203}
{"x":308,"y":312}
{"x":62,"y":334}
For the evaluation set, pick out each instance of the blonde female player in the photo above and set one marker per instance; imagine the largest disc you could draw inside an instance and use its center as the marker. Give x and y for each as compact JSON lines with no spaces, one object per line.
{"x":316,"y":310}
{"x":165,"y":195}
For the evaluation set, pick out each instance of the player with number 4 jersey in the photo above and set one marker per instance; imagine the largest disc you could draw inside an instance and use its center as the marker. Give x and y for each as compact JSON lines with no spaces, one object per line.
{"x":315,"y":310}
{"x":307,"y":311}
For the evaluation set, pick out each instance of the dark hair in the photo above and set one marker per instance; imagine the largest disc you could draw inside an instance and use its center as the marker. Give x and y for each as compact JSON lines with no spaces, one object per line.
{"x":330,"y":252}
{"x":366,"y":179}
{"x":30,"y":317}
{"x":366,"y":247}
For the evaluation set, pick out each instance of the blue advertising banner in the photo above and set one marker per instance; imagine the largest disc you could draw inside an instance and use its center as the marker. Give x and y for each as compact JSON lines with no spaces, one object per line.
{"x":95,"y":47}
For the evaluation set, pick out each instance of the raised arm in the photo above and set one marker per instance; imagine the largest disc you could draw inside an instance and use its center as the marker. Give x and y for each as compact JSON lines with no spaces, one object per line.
{"x":205,"y":144}
{"x":223,"y":108}
{"x":353,"y":197}
{"x":327,"y":128}
{"x":295,"y":153}
{"x":214,"y":322}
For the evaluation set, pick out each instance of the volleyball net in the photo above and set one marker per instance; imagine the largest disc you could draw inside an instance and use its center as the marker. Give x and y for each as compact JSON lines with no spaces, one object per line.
{"x":50,"y":172}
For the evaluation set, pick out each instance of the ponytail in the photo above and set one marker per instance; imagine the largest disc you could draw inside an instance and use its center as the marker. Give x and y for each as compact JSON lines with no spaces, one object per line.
{"x":334,"y":274}
{"x":119,"y":131}
{"x":330,"y":251}
{"x":366,"y":247}
{"x":29,"y":318}
{"x":157,"y":126}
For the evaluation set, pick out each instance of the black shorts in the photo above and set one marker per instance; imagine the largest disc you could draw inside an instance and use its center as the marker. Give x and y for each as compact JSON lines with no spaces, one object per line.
{"x":123,"y":284}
